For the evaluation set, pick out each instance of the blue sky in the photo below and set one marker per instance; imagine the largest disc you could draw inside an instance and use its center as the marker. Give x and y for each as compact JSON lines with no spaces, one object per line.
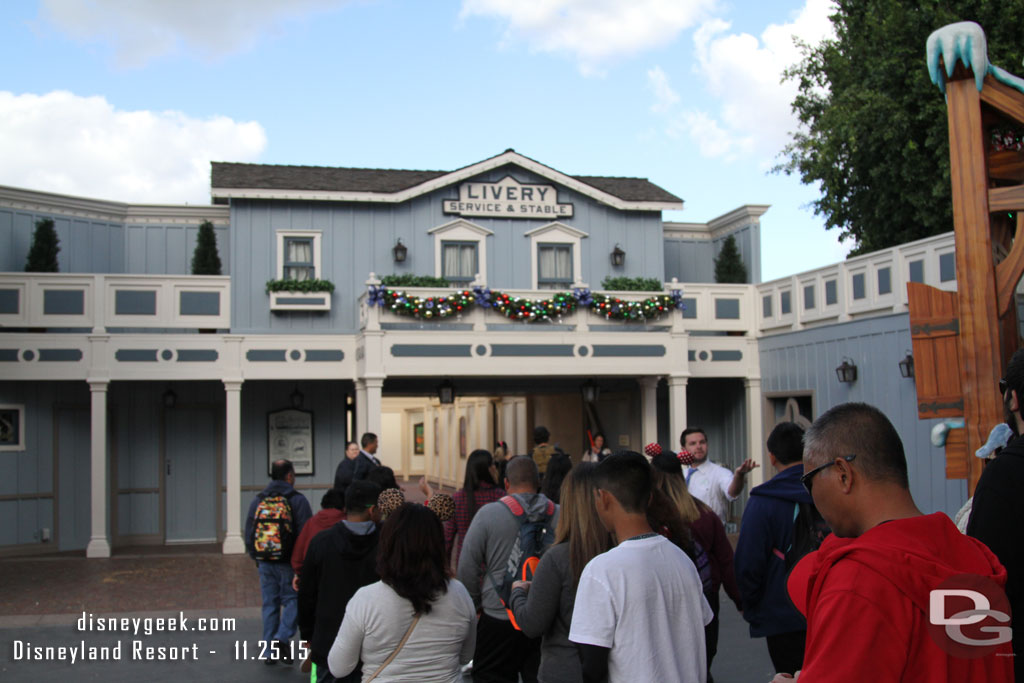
{"x":130,"y":101}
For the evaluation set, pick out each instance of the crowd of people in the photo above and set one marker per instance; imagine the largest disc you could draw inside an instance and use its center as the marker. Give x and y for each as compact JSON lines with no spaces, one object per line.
{"x":609,"y":566}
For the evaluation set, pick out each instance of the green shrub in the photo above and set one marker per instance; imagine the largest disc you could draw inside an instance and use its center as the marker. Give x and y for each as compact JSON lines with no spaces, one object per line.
{"x":205,"y":259}
{"x":408,"y":280}
{"x":632,"y":284}
{"x":299,"y":286}
{"x":42,"y":256}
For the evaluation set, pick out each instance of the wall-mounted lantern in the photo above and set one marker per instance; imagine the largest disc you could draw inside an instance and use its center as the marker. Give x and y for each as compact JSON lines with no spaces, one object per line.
{"x":591,"y":392}
{"x":907,"y":365}
{"x":296,"y":398}
{"x":618,"y":256}
{"x":170,"y":398}
{"x":446,"y":392}
{"x":400,"y":251}
{"x":847,"y":372}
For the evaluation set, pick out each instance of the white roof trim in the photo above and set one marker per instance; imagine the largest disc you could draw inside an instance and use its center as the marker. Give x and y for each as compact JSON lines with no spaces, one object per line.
{"x":561,"y":227}
{"x":463,"y":223}
{"x":101,"y":209}
{"x":450,"y":179}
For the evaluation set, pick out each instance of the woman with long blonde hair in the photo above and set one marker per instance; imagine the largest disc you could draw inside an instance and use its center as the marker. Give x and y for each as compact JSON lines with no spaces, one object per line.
{"x":707,"y":530}
{"x":544,"y":606}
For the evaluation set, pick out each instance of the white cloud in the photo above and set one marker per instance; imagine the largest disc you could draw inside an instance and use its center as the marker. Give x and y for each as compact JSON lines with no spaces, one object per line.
{"x":664,"y":96}
{"x":62,"y":142}
{"x":593,"y":31}
{"x":744,"y":74}
{"x":141,"y":30}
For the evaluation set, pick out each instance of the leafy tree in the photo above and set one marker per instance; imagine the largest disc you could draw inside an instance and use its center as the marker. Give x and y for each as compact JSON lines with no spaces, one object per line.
{"x":874,"y":135}
{"x":42,"y":256}
{"x":729,"y":264}
{"x":205,"y":259}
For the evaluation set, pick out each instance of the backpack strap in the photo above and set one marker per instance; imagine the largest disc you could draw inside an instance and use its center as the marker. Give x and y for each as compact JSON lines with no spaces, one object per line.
{"x":513,"y":506}
{"x":551,"y":508}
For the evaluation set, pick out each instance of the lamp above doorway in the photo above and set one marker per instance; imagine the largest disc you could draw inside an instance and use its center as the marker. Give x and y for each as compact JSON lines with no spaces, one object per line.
{"x":446,"y":392}
{"x":170,"y":398}
{"x":591,"y":392}
{"x":847,"y":372}
{"x":296,"y":398}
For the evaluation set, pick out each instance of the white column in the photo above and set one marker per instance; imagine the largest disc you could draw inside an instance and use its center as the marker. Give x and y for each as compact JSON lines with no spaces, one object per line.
{"x":755,"y":431}
{"x":676,"y":408}
{"x":649,"y":409}
{"x":523,"y":441}
{"x":99,"y":545}
{"x":233,"y":544}
{"x":360,"y":411}
{"x":373,"y":412}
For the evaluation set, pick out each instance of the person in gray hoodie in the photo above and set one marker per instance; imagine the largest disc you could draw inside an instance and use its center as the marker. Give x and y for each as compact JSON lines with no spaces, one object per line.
{"x":502,"y":653}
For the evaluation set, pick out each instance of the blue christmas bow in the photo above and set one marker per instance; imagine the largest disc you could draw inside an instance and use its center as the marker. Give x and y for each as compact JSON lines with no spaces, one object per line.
{"x":378,"y":295}
{"x":583,"y":295}
{"x":483,"y":296}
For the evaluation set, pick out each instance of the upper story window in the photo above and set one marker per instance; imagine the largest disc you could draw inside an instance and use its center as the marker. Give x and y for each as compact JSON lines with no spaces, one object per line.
{"x":554,"y":266}
{"x":555,"y":251}
{"x":459,"y":262}
{"x":298,"y":255}
{"x":460,"y":251}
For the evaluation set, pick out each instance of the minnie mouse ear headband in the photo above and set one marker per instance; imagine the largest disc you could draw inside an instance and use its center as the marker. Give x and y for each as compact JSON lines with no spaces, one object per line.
{"x":389,"y":500}
{"x":443,"y":506}
{"x":652,"y":449}
{"x":685,"y":458}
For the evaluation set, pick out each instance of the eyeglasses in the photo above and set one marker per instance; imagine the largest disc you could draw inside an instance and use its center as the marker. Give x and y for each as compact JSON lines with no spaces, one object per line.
{"x":806,"y":479}
{"x":1003,"y":386}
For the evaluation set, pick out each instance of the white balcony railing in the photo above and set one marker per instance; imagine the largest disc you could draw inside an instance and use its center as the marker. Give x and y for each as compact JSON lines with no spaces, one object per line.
{"x":99,"y":302}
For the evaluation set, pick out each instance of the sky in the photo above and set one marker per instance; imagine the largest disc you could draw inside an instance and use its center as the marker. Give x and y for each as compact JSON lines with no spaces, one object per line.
{"x":130,"y":100}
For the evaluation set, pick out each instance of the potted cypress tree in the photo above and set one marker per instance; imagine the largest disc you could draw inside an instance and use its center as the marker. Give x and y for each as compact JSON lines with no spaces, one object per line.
{"x":42,"y":256}
{"x":729,"y":266}
{"x":205,"y":258}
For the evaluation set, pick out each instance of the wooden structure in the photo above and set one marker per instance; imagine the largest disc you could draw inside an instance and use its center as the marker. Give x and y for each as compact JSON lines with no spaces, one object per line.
{"x":962,"y":340}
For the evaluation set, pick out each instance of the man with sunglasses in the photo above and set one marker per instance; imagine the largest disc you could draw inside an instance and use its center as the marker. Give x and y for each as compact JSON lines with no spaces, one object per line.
{"x":999,"y":503}
{"x":867,"y":591}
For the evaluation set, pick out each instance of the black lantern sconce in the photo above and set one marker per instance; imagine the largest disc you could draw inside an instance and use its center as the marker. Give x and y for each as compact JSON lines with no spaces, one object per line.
{"x":907,"y":365}
{"x":170,"y":398}
{"x":296,"y":398}
{"x":618,"y":256}
{"x":446,"y":392}
{"x":400,"y":251}
{"x":591,"y":392}
{"x":847,"y":372}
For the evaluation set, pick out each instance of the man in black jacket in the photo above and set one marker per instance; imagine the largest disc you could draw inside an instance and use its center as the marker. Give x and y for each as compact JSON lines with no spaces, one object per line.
{"x":340,"y":561}
{"x":352,"y":469}
{"x":999,"y":506}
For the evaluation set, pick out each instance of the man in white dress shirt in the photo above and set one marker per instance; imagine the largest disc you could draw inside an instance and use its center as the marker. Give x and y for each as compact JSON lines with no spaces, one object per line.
{"x":712,"y":484}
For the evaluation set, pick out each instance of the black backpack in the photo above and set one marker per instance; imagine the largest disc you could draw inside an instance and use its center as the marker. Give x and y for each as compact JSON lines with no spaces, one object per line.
{"x":809,"y":530}
{"x":535,"y":536}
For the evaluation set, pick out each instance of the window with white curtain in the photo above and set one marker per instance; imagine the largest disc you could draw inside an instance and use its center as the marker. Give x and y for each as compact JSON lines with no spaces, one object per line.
{"x":458,"y":261}
{"x":298,"y":259}
{"x":554,"y":266}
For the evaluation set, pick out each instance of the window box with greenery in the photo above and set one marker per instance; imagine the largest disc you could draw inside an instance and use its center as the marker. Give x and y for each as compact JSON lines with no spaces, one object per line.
{"x":300,"y":295}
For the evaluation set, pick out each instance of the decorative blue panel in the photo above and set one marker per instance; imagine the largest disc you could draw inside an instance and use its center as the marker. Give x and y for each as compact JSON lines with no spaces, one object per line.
{"x":808,"y":297}
{"x":727,"y":309}
{"x":628,"y":350}
{"x":136,"y":355}
{"x":8,"y":355}
{"x":561,"y":350}
{"x":265,"y":355}
{"x":916,"y":271}
{"x":831,"y":293}
{"x":430,"y":350}
{"x":60,"y":355}
{"x":691,"y":355}
{"x":63,"y":302}
{"x":199,"y":303}
{"x":726,"y":356}
{"x":947,"y":267}
{"x":689,"y":308}
{"x":858,"y":286}
{"x":9,"y":301}
{"x":197,"y":356}
{"x":324,"y":356}
{"x":133,"y":302}
{"x":766,"y":305}
{"x":884,"y":280}
{"x":784,"y":303}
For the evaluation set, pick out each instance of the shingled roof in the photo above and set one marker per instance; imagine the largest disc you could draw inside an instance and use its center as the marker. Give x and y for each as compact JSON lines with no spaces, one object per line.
{"x":226,"y":176}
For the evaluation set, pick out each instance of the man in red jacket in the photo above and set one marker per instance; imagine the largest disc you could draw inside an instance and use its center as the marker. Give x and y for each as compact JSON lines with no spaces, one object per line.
{"x":869,"y":593}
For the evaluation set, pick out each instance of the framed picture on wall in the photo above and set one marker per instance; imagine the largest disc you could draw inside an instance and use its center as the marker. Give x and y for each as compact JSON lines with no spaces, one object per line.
{"x":418,"y":447}
{"x":290,"y":437}
{"x":12,"y":427}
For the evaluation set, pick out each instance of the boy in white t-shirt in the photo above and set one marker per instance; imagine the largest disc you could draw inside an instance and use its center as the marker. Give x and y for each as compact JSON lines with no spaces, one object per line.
{"x":640,"y":608}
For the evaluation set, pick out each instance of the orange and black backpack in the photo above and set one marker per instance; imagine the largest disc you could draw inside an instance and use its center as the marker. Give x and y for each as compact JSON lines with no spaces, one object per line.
{"x":535,"y":536}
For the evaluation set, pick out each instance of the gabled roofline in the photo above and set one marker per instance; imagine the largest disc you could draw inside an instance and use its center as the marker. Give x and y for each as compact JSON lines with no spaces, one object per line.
{"x":458,"y":175}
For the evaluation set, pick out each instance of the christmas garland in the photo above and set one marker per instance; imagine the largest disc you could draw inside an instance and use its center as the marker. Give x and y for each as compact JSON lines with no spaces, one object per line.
{"x":523,"y":309}
{"x":1006,"y":139}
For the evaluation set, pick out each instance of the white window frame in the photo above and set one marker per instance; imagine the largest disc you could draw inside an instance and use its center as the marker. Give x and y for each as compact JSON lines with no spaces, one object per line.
{"x":461,"y":230}
{"x":315,"y":235}
{"x":556,"y":233}
{"x":20,"y":446}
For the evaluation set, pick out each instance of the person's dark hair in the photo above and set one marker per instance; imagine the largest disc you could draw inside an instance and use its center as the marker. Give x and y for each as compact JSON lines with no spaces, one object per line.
{"x":360,"y":496}
{"x":522,"y":470}
{"x":349,"y":443}
{"x":667,"y":462}
{"x":333,"y":499}
{"x":541,"y":434}
{"x":627,"y":476}
{"x":863,"y":430}
{"x":280,"y":469}
{"x":367,"y":439}
{"x":664,"y":517}
{"x":558,"y":467}
{"x":786,"y":442}
{"x":1014,"y":374}
{"x":410,"y":557}
{"x":601,"y":434}
{"x":478,"y":471}
{"x":688,"y":431}
{"x":382,"y":476}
